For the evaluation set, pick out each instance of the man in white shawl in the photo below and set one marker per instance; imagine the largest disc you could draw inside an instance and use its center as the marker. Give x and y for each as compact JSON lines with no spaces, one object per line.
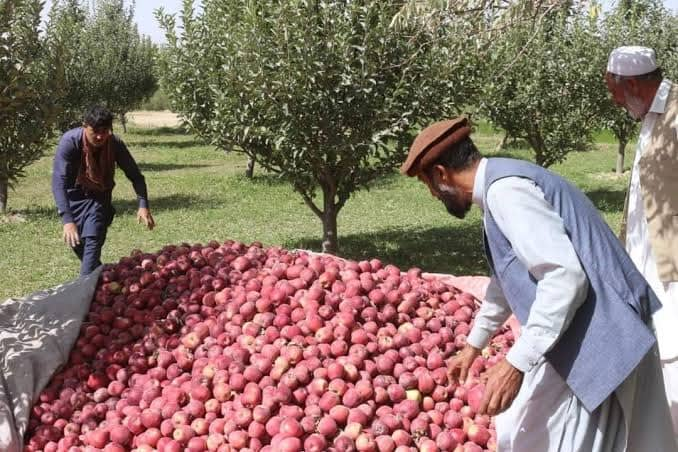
{"x":650,"y":221}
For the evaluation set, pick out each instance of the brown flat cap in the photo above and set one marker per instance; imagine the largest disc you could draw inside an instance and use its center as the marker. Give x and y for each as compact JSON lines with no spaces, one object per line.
{"x":432,"y":142}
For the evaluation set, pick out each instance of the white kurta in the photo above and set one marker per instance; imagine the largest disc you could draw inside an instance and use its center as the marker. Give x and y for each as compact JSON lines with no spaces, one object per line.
{"x":546,"y":416}
{"x":638,"y":246}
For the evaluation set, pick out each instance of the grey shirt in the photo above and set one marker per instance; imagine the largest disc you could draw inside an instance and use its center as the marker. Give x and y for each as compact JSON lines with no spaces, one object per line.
{"x":538,"y":237}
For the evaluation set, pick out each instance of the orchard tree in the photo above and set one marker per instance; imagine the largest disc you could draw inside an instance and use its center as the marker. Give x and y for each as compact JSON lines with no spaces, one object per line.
{"x":65,"y":32}
{"x":541,"y":82}
{"x":106,"y":60}
{"x":183,"y":65}
{"x":669,"y":54}
{"x":637,"y":22}
{"x":122,"y":61}
{"x":27,"y":88}
{"x":324,"y":93}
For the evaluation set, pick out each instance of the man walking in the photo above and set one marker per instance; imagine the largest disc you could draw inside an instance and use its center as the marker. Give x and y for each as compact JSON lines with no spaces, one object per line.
{"x":83,"y":181}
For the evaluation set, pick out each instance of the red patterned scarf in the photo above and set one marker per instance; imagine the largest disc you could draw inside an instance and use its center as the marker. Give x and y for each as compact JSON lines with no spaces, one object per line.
{"x":97,"y":166}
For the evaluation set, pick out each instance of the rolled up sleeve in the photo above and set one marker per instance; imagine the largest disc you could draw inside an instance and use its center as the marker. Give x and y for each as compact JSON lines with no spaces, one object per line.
{"x":493,"y":312}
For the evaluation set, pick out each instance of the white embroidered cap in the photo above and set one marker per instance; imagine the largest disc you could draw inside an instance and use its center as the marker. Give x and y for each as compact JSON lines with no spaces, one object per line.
{"x":631,"y":61}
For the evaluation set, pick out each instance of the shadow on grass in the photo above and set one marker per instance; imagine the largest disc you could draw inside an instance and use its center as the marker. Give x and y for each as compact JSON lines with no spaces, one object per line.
{"x":457,"y":249}
{"x":124,"y":207}
{"x":36,"y":213}
{"x":164,"y":203}
{"x":607,"y":200}
{"x":157,"y":131}
{"x":168,"y":166}
{"x":265,"y":179}
{"x":260,"y":177}
{"x":133,"y":144}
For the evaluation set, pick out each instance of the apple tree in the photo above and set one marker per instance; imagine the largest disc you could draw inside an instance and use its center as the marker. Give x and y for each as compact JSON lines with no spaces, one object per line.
{"x":326,"y":94}
{"x":542,"y":85}
{"x":28,"y":86}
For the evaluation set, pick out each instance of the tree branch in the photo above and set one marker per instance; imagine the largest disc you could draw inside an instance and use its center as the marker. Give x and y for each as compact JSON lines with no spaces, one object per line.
{"x":311,"y":205}
{"x":342,"y":200}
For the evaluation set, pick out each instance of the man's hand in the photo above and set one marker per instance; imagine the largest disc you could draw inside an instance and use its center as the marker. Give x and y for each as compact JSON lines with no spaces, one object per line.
{"x":502,"y":384}
{"x":144,"y":216}
{"x":457,"y":370}
{"x":70,"y":235}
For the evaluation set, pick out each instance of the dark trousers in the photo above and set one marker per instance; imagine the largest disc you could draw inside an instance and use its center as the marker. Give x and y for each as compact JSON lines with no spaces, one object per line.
{"x":89,"y":253}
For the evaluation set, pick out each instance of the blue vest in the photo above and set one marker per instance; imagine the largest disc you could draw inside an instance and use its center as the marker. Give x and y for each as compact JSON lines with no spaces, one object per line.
{"x":608,"y":335}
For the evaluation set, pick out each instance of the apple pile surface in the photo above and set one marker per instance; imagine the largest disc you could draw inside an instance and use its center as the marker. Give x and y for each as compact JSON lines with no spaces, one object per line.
{"x":234,"y":347}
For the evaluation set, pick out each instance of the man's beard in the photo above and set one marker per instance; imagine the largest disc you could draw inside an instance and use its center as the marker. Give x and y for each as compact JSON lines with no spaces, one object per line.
{"x":635,"y":107}
{"x":451,"y":198}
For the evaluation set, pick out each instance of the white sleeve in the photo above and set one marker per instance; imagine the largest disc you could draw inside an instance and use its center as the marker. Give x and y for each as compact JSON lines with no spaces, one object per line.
{"x":539,"y":240}
{"x":493,"y":312}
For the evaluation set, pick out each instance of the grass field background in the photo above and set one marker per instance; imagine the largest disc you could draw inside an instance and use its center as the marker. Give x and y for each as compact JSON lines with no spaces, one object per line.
{"x":198,"y":194}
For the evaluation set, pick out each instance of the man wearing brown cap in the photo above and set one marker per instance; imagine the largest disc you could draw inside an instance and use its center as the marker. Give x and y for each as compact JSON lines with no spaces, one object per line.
{"x":650,"y":221}
{"x":584,"y":374}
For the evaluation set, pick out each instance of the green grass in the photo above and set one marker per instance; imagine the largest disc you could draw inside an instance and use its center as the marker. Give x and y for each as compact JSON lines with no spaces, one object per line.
{"x":199,"y":194}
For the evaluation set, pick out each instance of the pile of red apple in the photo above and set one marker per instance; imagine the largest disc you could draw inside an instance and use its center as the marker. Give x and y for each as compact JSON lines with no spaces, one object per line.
{"x":226,"y":346}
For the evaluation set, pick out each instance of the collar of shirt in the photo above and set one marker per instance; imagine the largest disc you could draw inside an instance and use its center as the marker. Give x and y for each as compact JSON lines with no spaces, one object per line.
{"x":658,"y":107}
{"x":479,"y":185}
{"x":660,"y":98}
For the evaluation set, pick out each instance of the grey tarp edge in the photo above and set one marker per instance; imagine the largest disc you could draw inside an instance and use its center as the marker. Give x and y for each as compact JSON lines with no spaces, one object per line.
{"x":36,"y":336}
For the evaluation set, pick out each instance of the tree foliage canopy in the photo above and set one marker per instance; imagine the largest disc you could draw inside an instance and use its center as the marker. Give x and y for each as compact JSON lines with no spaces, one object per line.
{"x":106,"y":61}
{"x":324,"y":93}
{"x":542,"y":84}
{"x":637,"y":22}
{"x":28,"y":89}
{"x":328,"y":94}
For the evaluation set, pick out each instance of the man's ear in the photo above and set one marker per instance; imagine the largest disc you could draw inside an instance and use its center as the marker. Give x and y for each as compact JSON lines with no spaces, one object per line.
{"x":439,"y":174}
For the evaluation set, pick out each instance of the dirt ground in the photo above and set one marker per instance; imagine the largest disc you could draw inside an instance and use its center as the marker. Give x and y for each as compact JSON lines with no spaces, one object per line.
{"x":153,"y":118}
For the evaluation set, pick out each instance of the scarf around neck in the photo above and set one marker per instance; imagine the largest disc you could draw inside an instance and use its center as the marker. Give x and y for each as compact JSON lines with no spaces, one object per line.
{"x":97,"y":166}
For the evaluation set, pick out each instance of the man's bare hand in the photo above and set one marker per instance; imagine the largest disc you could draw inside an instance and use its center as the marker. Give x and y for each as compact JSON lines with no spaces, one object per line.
{"x":457,"y":369}
{"x":502,"y":384}
{"x":70,"y":235}
{"x":144,"y":216}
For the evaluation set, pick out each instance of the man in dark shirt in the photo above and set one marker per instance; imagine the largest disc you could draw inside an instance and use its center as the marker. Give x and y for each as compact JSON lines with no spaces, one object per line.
{"x":83,"y":181}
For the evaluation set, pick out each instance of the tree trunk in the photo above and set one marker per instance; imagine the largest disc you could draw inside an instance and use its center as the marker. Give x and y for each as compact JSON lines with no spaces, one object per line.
{"x":249,"y":172}
{"x":123,"y":121}
{"x":503,"y":142}
{"x":536,"y":144}
{"x":620,"y":157}
{"x":539,"y":157}
{"x":3,"y":196}
{"x":329,"y":219}
{"x":540,"y":154}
